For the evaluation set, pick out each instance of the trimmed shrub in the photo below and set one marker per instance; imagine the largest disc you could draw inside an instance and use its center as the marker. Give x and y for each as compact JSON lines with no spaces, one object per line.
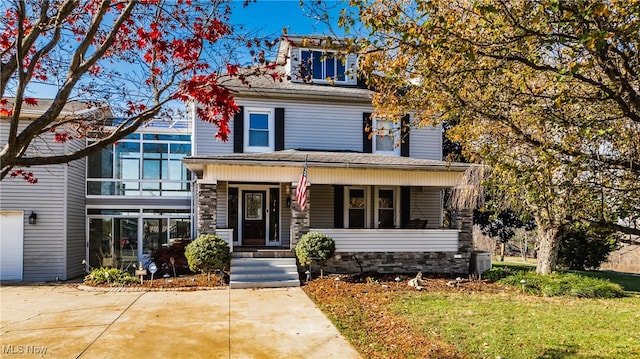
{"x":314,"y":246}
{"x":113,"y":276}
{"x":208,"y":253}
{"x":496,"y":273}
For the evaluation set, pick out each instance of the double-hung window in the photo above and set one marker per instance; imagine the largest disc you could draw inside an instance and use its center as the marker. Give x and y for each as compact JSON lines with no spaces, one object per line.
{"x":384,"y":137}
{"x":259,"y":130}
{"x":323,"y":65}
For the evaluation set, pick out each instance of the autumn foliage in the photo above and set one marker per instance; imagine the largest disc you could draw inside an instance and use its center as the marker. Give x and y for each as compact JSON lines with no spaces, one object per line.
{"x":131,"y":59}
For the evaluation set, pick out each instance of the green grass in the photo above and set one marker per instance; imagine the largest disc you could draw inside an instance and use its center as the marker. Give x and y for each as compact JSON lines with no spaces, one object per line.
{"x":486,"y":325}
{"x":629,"y":282}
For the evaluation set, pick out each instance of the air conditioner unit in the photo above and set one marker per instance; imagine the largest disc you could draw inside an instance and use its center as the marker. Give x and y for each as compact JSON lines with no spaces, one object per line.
{"x":480,"y":262}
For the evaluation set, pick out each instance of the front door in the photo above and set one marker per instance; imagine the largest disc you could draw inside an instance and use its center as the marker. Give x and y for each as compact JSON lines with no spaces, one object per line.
{"x":254,"y":218}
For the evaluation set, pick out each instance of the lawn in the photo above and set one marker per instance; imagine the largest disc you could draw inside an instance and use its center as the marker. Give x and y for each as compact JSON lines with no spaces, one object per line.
{"x":476,"y":320}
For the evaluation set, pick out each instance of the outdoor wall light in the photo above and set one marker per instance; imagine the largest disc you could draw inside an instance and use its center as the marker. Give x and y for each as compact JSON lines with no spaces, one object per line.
{"x":32,"y":217}
{"x":288,"y":202}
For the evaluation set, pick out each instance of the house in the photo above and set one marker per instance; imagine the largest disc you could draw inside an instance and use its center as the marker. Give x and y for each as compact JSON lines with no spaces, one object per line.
{"x":379,"y":197}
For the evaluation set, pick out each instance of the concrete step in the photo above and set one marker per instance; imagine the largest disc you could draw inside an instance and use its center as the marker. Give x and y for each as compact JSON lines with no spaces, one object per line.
{"x":264,"y":273}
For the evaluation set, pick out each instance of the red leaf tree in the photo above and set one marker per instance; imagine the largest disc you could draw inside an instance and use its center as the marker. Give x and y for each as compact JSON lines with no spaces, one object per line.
{"x":133,"y":59}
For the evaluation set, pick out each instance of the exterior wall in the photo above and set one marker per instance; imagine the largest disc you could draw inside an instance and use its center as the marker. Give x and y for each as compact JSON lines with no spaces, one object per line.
{"x":309,"y":125}
{"x":75,"y":218}
{"x":426,"y":143}
{"x":44,"y":242}
{"x":322,"y":210}
{"x":285,"y":215}
{"x":426,"y":203}
{"x":44,"y":249}
{"x":398,"y":262}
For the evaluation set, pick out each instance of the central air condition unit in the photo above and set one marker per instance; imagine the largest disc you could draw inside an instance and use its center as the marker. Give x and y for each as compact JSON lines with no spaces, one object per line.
{"x":480,"y":262}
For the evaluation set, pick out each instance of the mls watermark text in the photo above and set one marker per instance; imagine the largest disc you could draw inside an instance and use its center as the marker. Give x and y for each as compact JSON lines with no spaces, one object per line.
{"x":23,"y":349}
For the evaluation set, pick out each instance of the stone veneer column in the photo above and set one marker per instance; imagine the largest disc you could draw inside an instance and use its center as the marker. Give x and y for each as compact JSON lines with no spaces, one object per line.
{"x":207,"y":207}
{"x":465,"y":241}
{"x":300,"y":220}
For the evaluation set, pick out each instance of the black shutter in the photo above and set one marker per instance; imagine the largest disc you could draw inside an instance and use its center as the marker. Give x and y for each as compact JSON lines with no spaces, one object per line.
{"x":404,"y":131}
{"x":405,"y":206}
{"x":366,"y":131}
{"x":279,"y":145}
{"x":338,"y":206}
{"x":238,"y":131}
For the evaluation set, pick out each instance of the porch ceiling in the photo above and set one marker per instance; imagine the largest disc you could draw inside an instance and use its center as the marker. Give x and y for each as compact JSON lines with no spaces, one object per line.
{"x":327,"y":168}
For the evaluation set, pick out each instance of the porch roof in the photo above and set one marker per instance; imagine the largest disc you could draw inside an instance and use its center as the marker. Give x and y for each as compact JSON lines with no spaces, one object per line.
{"x":326,"y":168}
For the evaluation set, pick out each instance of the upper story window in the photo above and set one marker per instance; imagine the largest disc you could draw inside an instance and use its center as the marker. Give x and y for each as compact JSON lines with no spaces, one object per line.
{"x":259,"y":130}
{"x":323,"y":65}
{"x":141,"y":165}
{"x":384,"y":138}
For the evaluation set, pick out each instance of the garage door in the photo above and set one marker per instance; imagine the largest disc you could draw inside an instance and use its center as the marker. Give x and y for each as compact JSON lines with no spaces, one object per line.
{"x":11,"y":230}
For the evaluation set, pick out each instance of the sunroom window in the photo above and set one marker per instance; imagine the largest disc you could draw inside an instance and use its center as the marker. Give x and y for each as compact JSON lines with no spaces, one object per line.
{"x":141,"y":165}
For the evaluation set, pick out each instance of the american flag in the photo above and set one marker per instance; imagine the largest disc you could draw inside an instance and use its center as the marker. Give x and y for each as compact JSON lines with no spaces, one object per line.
{"x":301,"y":191}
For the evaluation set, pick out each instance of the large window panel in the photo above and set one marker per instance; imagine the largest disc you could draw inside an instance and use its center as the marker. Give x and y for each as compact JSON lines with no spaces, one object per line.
{"x":128,"y":160}
{"x":323,"y":65}
{"x":100,"y":164}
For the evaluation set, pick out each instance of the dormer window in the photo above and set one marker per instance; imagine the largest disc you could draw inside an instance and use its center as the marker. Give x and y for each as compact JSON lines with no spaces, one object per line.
{"x":322,"y":65}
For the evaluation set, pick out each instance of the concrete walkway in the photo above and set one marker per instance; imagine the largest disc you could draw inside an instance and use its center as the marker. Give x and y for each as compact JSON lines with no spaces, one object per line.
{"x":61,"y":321}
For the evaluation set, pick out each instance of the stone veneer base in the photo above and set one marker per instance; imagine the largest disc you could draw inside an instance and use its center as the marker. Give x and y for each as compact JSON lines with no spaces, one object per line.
{"x":398,"y":262}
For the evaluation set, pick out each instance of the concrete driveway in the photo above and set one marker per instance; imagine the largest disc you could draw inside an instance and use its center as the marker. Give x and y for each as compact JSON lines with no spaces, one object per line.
{"x":61,"y":321}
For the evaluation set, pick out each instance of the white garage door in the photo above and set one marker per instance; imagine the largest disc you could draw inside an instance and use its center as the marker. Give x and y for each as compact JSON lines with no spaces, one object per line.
{"x":11,"y":230}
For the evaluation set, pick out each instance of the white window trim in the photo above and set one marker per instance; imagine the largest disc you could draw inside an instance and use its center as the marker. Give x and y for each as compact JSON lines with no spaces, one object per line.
{"x":348,"y":78}
{"x":367,"y":205}
{"x":396,"y":205}
{"x":396,"y":144}
{"x":247,"y":115}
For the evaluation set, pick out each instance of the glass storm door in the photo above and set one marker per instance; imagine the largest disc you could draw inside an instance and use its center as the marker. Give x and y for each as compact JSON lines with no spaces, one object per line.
{"x":254,"y":218}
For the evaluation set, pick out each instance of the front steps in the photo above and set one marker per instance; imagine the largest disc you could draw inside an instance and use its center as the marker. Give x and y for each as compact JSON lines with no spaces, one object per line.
{"x":263,"y":270}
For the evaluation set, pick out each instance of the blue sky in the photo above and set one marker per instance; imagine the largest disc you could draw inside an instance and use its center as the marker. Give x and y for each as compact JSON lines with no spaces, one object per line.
{"x":271,"y":16}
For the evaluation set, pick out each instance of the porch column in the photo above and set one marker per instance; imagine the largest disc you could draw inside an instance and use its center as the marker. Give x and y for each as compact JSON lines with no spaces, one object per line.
{"x":300,"y":220}
{"x":207,"y":207}
{"x":465,"y":238}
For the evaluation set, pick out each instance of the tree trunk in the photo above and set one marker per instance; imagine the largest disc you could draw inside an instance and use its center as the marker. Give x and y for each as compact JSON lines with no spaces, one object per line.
{"x":549,"y":242}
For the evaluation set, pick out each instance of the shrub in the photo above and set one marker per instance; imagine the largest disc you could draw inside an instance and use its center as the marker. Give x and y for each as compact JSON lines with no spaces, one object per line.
{"x":112,"y":276}
{"x":586,"y":247}
{"x":207,"y":253}
{"x":162,"y":258}
{"x":314,"y":246}
{"x":496,"y":273}
{"x":564,"y":284}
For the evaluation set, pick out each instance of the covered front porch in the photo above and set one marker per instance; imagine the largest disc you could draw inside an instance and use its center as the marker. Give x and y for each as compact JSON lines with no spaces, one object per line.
{"x":367,"y":203}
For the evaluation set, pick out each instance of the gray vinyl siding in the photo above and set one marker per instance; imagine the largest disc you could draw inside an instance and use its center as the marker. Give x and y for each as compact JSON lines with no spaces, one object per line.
{"x":223,"y":213}
{"x":426,"y":203}
{"x":285,"y":218}
{"x":426,"y":143}
{"x":318,"y":126}
{"x":76,"y":222}
{"x":205,"y":142}
{"x":321,"y":206}
{"x":44,"y":250}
